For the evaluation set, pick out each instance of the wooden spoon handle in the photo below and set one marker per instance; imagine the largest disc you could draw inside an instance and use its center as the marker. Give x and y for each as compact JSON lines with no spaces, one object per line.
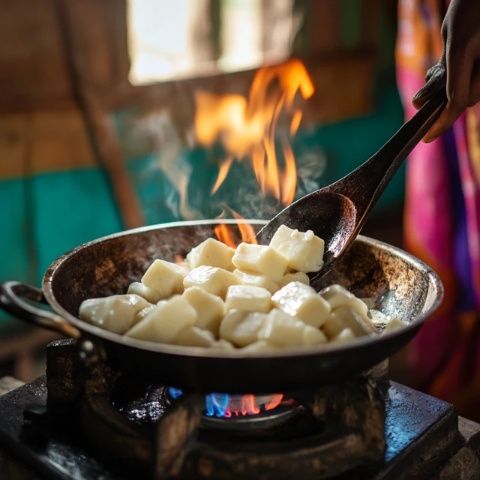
{"x":365,"y":184}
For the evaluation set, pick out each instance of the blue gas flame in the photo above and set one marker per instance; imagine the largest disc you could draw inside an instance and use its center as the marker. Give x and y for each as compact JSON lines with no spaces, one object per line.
{"x":216,"y":404}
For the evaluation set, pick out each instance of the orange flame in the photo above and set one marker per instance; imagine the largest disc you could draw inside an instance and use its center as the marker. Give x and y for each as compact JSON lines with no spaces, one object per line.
{"x":248,"y":405}
{"x":246,"y":127}
{"x":247,"y":233}
{"x":225,"y":234}
{"x":275,"y":401}
{"x":233,"y":235}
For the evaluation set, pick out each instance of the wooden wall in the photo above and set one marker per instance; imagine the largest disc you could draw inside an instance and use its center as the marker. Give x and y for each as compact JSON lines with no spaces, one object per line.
{"x":64,"y":68}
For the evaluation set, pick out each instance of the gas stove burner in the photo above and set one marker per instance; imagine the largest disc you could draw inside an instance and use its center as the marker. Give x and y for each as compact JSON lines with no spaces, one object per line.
{"x":266,"y":419}
{"x":244,"y":412}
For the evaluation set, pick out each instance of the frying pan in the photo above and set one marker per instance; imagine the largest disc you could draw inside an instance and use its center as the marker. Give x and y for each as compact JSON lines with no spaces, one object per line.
{"x":398,"y":284}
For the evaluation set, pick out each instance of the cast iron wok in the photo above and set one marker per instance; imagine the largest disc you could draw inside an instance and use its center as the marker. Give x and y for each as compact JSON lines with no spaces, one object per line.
{"x":399,"y":284}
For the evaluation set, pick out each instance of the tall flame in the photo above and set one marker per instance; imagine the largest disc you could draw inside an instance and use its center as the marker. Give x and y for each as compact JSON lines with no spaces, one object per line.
{"x":247,"y":126}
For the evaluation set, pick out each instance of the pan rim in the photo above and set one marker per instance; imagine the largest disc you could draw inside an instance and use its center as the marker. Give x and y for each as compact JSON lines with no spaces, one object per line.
{"x":235,"y":355}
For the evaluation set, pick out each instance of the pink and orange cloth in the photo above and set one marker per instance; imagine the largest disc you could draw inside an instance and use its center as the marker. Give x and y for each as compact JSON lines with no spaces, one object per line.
{"x":442,"y":221}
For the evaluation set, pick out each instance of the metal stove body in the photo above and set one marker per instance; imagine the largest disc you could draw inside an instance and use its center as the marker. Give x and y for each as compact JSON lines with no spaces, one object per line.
{"x":97,"y":423}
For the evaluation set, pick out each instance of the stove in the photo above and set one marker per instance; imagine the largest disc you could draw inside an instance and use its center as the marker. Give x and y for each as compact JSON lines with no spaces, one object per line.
{"x":98,"y":423}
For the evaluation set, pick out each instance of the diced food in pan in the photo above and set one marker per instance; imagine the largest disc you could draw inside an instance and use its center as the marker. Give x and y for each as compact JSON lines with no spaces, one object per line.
{"x":213,"y":253}
{"x":165,"y":321}
{"x":294,"y":277}
{"x":142,"y":313}
{"x":261,"y":259}
{"x":212,"y":279}
{"x":248,"y":298}
{"x":209,"y":308}
{"x":256,"y":280}
{"x":193,"y":336}
{"x":345,"y":317}
{"x":260,"y":346}
{"x":255,"y":298}
{"x":241,"y":327}
{"x":337,"y":296}
{"x":284,"y":330}
{"x":115,"y":313}
{"x":303,"y":250}
{"x":165,"y":278}
{"x":394,"y":324}
{"x":300,"y":300}
{"x":345,"y":336}
{"x":222,"y":345}
{"x":149,"y":294}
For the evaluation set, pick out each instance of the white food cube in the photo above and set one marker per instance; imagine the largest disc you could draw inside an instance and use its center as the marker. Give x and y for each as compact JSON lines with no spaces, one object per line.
{"x":345,"y":336}
{"x":142,"y":314}
{"x":260,"y":346}
{"x":209,"y":308}
{"x":394,"y":324}
{"x":313,"y":336}
{"x":295,"y":277}
{"x":222,"y":345}
{"x":303,"y":250}
{"x":248,"y":298}
{"x":302,"y":301}
{"x":193,"y":336}
{"x":165,"y":321}
{"x":212,"y":279}
{"x":337,"y":296}
{"x":379,"y":319}
{"x":241,"y":328}
{"x":261,"y":259}
{"x":115,"y":313}
{"x":345,"y":317}
{"x":213,"y":253}
{"x":164,"y":277}
{"x":149,"y":294}
{"x":333,"y":326}
{"x":256,"y":280}
{"x":282,"y":329}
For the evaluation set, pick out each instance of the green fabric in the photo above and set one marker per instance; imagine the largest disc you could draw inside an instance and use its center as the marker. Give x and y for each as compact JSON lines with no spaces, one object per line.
{"x":49,"y":214}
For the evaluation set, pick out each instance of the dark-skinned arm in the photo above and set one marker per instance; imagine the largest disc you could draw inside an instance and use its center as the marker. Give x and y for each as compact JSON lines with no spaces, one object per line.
{"x":460,"y":63}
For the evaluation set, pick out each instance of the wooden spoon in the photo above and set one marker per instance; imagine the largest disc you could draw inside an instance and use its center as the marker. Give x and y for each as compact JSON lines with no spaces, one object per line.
{"x":337,"y":212}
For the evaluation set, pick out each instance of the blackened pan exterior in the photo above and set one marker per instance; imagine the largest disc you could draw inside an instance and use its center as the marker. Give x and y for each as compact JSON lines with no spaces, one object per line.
{"x":399,"y":284}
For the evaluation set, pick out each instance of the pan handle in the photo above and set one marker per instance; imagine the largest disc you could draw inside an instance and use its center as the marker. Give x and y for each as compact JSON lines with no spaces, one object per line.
{"x":13,"y":299}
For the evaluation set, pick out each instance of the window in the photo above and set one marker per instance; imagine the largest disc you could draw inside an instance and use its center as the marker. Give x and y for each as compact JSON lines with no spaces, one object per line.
{"x":171,"y":39}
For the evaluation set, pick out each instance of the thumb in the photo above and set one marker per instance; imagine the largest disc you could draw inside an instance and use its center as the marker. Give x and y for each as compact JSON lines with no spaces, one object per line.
{"x":436,"y":81}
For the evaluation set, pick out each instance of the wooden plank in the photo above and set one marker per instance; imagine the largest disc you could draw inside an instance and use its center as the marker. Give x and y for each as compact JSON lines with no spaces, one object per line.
{"x":99,"y":39}
{"x":98,"y":124}
{"x":30,"y":53}
{"x":32,"y":50}
{"x":43,"y":141}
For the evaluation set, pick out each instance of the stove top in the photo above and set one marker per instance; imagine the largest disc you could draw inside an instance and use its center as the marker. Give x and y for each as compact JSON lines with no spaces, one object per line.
{"x":337,"y":430}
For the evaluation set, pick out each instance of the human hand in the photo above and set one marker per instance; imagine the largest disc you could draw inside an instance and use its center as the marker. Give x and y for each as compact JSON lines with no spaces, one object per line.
{"x":460,"y":63}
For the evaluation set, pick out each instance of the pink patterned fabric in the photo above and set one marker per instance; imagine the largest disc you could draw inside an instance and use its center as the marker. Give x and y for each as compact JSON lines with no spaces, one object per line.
{"x":442,"y":220}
